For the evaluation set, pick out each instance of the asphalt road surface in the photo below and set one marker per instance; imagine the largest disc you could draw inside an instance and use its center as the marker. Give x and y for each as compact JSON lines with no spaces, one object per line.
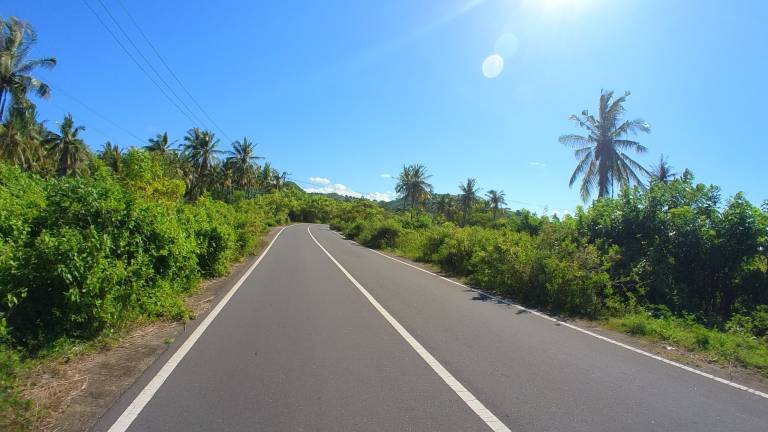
{"x":302,"y":346}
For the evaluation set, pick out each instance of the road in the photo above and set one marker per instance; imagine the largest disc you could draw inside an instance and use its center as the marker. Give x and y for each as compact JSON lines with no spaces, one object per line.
{"x":302,"y":346}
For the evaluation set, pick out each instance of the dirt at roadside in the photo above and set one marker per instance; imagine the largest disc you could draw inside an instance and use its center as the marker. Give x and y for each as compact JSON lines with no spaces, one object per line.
{"x":73,"y":392}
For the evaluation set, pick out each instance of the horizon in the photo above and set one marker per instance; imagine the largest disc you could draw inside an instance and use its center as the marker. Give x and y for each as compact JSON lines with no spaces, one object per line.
{"x":478,"y":89}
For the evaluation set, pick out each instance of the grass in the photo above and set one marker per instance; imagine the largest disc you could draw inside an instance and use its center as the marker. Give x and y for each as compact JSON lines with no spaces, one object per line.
{"x":15,"y":412}
{"x":722,"y":347}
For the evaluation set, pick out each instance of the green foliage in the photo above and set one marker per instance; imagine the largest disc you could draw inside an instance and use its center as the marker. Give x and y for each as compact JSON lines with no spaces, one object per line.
{"x":671,"y":245}
{"x":380,"y":233}
{"x":693,"y":336}
{"x":80,"y":256}
{"x":15,"y":412}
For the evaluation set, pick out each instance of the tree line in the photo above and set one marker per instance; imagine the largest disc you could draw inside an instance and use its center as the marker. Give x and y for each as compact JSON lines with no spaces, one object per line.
{"x":25,"y":141}
{"x":603,"y":164}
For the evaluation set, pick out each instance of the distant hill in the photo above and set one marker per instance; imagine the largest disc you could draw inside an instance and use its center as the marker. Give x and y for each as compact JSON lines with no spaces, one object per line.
{"x":334,"y":195}
{"x":396,"y":204}
{"x":289,"y":185}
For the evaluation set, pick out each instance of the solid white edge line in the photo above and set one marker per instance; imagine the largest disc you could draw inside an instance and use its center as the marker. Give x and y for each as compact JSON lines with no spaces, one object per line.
{"x":475,"y":405}
{"x":138,"y":404}
{"x":587,"y":332}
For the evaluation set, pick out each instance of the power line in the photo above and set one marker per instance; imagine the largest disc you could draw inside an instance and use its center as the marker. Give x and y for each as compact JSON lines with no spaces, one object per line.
{"x":66,"y":111}
{"x":136,"y":62}
{"x":175,"y":77}
{"x":102,"y":116}
{"x":146,"y":60}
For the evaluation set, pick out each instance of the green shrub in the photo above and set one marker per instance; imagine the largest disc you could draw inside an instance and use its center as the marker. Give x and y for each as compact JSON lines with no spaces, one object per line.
{"x":15,"y":412}
{"x":686,"y":333}
{"x":457,"y":249}
{"x":380,"y":234}
{"x":80,"y":256}
{"x":213,"y":225}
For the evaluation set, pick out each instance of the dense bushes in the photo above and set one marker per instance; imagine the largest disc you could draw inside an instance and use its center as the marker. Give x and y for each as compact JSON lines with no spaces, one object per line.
{"x":83,"y":255}
{"x":672,"y":245}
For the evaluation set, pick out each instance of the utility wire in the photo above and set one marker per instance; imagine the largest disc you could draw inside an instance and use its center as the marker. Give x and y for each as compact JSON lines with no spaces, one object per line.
{"x":175,"y":77}
{"x":146,"y":60}
{"x":136,"y":62}
{"x":102,"y":116}
{"x":89,"y":128}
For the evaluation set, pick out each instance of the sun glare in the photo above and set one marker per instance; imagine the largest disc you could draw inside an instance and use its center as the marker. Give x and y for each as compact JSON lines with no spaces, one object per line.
{"x":557,"y":6}
{"x":493,"y":65}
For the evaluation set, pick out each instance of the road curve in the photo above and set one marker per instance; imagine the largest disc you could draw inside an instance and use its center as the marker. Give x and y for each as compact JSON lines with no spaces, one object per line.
{"x":303,"y":346}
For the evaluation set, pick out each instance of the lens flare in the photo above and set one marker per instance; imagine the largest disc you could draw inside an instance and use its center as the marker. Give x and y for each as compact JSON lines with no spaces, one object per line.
{"x":493,"y":65}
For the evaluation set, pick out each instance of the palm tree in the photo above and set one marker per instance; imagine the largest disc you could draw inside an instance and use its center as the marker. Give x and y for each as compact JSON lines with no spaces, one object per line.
{"x":242,"y":162}
{"x":200,"y":148}
{"x":159,"y":144}
{"x":468,"y":197}
{"x":601,"y":154}
{"x":111,"y":154}
{"x":279,"y":179}
{"x":264,"y":177}
{"x":68,"y":148}
{"x":16,"y":40}
{"x":663,"y":171}
{"x":496,"y":201}
{"x":443,"y":205}
{"x":221,"y":180}
{"x":412,"y":184}
{"x":21,"y":136}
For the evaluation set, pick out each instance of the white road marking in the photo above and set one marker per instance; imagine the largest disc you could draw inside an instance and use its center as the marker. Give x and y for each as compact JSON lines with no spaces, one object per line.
{"x":138,"y":404}
{"x":475,"y":405}
{"x":587,"y":332}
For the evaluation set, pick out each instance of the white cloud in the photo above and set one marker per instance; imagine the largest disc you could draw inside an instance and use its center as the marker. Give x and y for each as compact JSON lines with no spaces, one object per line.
{"x":537,"y":164}
{"x":562,"y":213}
{"x":325,"y":186}
{"x":336,"y":188}
{"x":385,"y":175}
{"x":380,"y":196}
{"x":319,"y":181}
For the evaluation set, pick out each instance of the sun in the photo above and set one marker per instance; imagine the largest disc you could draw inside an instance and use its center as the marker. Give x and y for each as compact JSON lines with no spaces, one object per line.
{"x":557,"y":5}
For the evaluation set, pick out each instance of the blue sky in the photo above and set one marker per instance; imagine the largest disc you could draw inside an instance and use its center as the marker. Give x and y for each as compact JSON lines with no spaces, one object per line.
{"x":346,"y":91}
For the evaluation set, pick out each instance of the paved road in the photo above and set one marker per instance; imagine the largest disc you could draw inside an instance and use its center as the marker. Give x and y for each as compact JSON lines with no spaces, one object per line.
{"x":300,"y":347}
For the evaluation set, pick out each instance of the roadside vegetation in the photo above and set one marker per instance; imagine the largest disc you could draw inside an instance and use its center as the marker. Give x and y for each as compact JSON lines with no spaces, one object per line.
{"x":91,"y":242}
{"x":656,"y":254}
{"x":671,"y":262}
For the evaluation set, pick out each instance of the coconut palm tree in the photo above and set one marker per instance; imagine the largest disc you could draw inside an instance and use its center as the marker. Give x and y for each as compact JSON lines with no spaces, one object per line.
{"x":200,"y":149}
{"x":242,"y":163}
{"x":159,"y":144}
{"x":603,"y":161}
{"x":68,"y":148}
{"x":663,"y":171}
{"x":412,"y":184}
{"x":111,"y":154}
{"x":496,"y":199}
{"x":468,"y":197}
{"x":264,"y":177}
{"x":443,"y":204}
{"x":21,"y":137}
{"x":279,"y":179}
{"x":16,"y":40}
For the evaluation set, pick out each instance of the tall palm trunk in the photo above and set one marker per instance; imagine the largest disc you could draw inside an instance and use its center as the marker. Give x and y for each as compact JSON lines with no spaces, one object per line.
{"x":63,"y":165}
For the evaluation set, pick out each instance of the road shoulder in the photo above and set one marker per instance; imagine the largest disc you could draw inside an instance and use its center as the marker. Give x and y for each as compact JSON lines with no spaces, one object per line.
{"x":735,"y":373}
{"x":75,"y":391}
